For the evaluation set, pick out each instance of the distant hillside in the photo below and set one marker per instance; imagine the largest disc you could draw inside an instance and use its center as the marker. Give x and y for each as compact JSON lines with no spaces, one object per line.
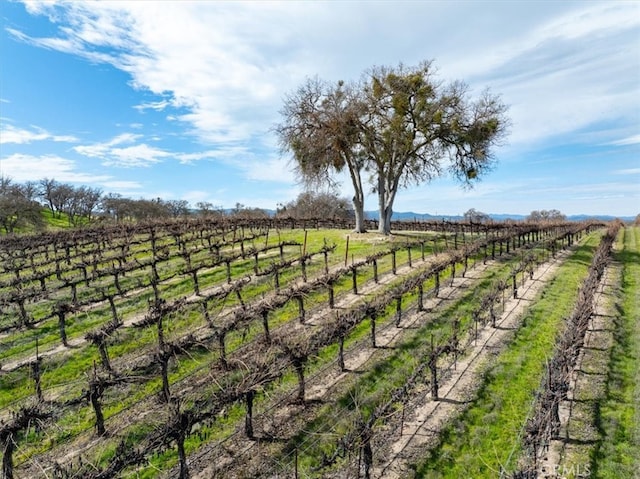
{"x":410,"y":216}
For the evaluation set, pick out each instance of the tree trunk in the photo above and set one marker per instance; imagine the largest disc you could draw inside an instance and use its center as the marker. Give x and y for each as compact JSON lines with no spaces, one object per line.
{"x":358,"y":208}
{"x":384,"y":212}
{"x":385,"y":220}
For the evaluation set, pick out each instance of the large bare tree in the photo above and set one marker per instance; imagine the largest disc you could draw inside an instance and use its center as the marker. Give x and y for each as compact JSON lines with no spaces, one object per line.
{"x":400,"y":125}
{"x":321,"y":128}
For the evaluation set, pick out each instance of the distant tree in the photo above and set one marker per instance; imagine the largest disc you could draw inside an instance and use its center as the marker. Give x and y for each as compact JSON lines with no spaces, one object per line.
{"x":637,"y":221}
{"x":114,"y":206}
{"x":47,"y":187}
{"x":178,"y":208}
{"x":400,"y":125}
{"x":17,"y":206}
{"x":546,"y":216}
{"x":476,"y":216}
{"x":206,"y":208}
{"x":89,"y":199}
{"x":310,"y":204}
{"x":243,"y":212}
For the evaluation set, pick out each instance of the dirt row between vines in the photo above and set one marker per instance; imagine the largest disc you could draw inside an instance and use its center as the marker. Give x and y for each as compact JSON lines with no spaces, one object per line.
{"x":285,"y":416}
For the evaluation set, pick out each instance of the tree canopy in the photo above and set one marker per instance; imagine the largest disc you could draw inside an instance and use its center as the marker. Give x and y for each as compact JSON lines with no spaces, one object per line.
{"x":399,"y":126}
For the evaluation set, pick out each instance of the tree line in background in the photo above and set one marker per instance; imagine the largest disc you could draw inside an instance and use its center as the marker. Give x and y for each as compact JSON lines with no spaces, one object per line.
{"x":21,"y":206}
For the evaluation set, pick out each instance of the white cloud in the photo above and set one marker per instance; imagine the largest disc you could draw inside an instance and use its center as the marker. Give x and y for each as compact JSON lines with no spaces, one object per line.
{"x":229,"y":64}
{"x":111,"y":154}
{"x":22,"y":168}
{"x":11,"y":134}
{"x":154,"y":105}
{"x":630,"y":140}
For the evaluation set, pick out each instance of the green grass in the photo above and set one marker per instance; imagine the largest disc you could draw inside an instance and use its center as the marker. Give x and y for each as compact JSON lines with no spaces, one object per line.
{"x":487,"y":437}
{"x":618,"y":416}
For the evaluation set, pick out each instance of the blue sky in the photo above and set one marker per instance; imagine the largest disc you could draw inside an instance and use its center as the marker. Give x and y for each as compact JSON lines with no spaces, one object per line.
{"x":178,"y":99}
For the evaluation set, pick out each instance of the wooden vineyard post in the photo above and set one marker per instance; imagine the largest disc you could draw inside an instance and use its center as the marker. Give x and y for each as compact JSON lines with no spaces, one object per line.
{"x":354,"y":279}
{"x":346,"y":252}
{"x":409,"y":256}
{"x":248,"y":419}
{"x":433,"y":361}
{"x":398,"y":310}
{"x":420,"y":297}
{"x":325,"y":252}
{"x":341,"y":353}
{"x":393,"y":261}
{"x":456,"y":331}
{"x":301,"y":311}
{"x":35,"y":369}
{"x":436,"y":288}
